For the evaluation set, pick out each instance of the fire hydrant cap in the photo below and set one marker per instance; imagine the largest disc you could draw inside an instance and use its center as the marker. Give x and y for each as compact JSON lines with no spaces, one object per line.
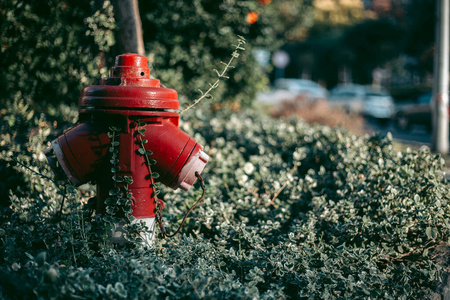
{"x":131,"y":59}
{"x":129,"y":87}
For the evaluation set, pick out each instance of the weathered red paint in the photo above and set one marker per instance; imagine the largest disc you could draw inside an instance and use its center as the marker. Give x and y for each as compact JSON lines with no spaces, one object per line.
{"x":122,"y":100}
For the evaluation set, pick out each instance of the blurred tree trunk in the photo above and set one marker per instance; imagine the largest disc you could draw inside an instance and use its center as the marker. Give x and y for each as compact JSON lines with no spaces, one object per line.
{"x":130,"y":37}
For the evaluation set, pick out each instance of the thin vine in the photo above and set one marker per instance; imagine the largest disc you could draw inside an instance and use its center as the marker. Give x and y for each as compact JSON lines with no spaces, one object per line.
{"x":118,"y":204}
{"x":62,"y":193}
{"x":140,"y":134}
{"x":220,"y":75}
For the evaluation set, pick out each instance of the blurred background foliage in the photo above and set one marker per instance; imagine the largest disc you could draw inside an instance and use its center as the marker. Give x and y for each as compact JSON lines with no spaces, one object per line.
{"x":51,"y":49}
{"x":359,"y":36}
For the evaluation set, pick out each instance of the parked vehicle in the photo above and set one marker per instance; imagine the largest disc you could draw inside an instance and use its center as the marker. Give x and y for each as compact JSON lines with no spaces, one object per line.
{"x":348,"y":96}
{"x":302,"y":86}
{"x":367,"y":100}
{"x":416,"y":112}
{"x":378,"y":104}
{"x":289,"y":89}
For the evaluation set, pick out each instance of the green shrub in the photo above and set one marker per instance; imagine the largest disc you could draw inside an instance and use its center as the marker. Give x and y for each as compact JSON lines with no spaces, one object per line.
{"x":51,"y":49}
{"x":291,"y":211}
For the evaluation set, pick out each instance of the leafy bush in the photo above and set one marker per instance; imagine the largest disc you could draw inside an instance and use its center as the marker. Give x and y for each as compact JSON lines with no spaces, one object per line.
{"x":51,"y":49}
{"x":291,"y":211}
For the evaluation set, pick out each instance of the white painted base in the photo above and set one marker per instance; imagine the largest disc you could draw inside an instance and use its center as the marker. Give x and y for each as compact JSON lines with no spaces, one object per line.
{"x":148,"y":236}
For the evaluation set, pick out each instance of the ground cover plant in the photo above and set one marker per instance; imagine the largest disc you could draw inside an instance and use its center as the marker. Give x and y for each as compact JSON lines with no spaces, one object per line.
{"x":292,"y":211}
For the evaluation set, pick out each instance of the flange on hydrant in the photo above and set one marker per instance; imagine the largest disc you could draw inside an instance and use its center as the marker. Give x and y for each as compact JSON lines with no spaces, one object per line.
{"x":142,"y":111}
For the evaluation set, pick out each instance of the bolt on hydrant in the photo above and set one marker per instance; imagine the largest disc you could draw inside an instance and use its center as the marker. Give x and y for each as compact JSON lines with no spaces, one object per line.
{"x":141,"y":110}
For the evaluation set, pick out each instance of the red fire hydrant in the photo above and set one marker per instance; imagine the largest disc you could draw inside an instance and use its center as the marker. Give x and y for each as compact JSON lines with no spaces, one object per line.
{"x":142,"y":110}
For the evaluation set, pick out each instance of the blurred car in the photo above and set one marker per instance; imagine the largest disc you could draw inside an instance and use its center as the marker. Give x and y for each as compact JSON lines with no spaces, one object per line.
{"x":290,"y":89}
{"x":378,"y":104}
{"x":301,"y":86}
{"x":416,"y":112}
{"x":348,"y":96}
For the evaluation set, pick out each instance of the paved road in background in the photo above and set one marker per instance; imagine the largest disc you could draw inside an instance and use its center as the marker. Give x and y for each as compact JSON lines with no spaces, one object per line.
{"x":417,"y":135}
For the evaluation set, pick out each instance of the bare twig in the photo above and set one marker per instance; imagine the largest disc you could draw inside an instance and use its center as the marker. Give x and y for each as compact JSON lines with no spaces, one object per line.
{"x":220,"y":75}
{"x":272,"y":202}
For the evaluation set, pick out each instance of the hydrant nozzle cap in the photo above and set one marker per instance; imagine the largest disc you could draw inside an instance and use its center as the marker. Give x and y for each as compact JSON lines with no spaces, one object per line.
{"x":131,"y":60}
{"x":130,"y":69}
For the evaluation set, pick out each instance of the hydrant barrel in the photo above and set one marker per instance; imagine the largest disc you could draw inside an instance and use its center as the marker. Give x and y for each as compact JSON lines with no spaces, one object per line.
{"x":142,"y":110}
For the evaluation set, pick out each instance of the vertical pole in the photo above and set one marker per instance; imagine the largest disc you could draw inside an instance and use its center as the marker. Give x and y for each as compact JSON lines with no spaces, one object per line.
{"x":130,"y":26}
{"x":440,"y":137}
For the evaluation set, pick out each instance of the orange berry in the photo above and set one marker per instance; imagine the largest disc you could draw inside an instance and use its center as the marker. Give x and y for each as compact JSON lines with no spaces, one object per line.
{"x":252,"y":17}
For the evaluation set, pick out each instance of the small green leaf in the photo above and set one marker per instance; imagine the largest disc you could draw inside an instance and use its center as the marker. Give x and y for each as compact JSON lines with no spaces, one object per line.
{"x":115,"y":191}
{"x":127,"y":210}
{"x":148,"y":152}
{"x":152,"y":162}
{"x":128,"y":179}
{"x":111,"y":201}
{"x":111,"y":210}
{"x":115,"y":144}
{"x":142,"y":131}
{"x":71,"y":189}
{"x":118,"y":178}
{"x":431,"y":233}
{"x":141,"y":151}
{"x":145,"y":141}
{"x":155,"y":175}
{"x":114,"y":128}
{"x":122,"y":201}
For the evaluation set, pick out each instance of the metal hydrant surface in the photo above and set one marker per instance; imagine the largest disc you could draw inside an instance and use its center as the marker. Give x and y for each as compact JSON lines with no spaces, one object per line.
{"x":130,"y":100}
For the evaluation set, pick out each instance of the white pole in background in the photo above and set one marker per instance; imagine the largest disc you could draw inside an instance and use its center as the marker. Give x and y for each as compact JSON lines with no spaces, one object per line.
{"x":441,"y":69}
